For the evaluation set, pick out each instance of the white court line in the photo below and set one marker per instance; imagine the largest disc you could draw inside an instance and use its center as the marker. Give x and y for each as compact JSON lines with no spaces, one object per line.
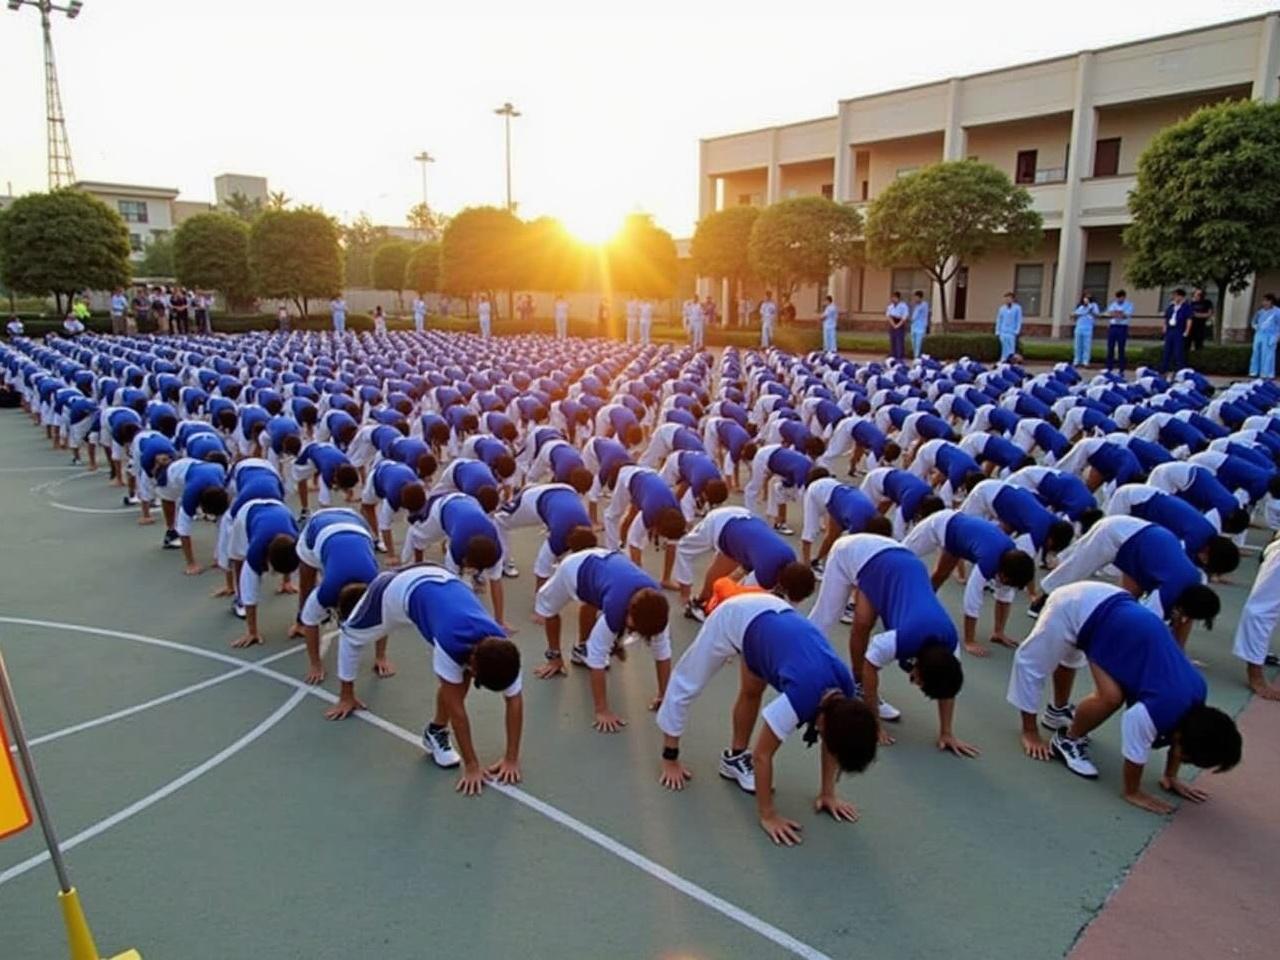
{"x":167,"y":698}
{"x":37,"y":469}
{"x":50,"y":485}
{"x":588,"y":833}
{"x":173,"y":786}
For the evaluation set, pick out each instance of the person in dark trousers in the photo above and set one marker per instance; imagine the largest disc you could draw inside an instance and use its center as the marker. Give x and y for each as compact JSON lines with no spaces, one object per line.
{"x":1119,"y":313}
{"x":1201,"y":318}
{"x":1177,"y":327}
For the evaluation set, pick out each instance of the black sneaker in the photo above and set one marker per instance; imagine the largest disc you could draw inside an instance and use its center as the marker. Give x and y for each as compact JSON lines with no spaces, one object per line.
{"x":694,"y":610}
{"x":783,"y":529}
{"x":171,"y":540}
{"x":578,"y":655}
{"x":1035,"y":606}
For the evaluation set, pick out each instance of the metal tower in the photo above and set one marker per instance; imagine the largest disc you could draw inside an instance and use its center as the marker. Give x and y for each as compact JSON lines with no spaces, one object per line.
{"x":61,"y":171}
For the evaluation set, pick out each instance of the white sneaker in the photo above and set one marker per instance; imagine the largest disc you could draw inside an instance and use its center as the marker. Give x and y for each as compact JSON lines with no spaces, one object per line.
{"x":783,"y":529}
{"x":739,"y":767}
{"x":1075,"y":754}
{"x":509,"y":569}
{"x":238,"y":609}
{"x":1057,"y":718}
{"x":888,"y":711}
{"x":847,"y":616}
{"x":437,"y":743}
{"x":818,"y":568}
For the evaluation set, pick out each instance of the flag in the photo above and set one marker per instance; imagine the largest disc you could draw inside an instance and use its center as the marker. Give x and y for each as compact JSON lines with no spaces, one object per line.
{"x":15,"y":815}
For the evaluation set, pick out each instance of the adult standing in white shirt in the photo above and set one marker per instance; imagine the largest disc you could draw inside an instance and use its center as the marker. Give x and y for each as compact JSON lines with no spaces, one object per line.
{"x":697,"y":325}
{"x":897,"y":313}
{"x":562,"y":317}
{"x":830,"y":317}
{"x":633,"y":315}
{"x":338,"y":313}
{"x":485,"y":312}
{"x":768,"y":317}
{"x":119,"y":305}
{"x":419,"y":314}
{"x":646,"y":321}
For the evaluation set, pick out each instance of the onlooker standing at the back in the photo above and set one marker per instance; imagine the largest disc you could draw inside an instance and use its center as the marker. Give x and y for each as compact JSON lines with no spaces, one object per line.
{"x":1008,"y":325}
{"x":1266,"y":333}
{"x":919,"y":322}
{"x":119,"y":306}
{"x":897,"y":314}
{"x":1201,"y":318}
{"x":1177,"y":327}
{"x":1119,"y":313}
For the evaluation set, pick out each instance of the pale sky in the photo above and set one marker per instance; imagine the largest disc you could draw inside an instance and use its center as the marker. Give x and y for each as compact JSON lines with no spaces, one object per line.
{"x":330,"y":101}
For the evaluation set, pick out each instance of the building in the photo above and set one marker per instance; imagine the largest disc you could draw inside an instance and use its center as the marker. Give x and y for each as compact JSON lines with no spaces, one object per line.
{"x":1070,"y":129}
{"x":147,"y":211}
{"x":227,"y":184}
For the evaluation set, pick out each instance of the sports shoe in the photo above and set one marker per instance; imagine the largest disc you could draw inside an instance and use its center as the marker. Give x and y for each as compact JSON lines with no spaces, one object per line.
{"x":435,"y":740}
{"x":303,"y":516}
{"x":578,"y":655}
{"x":129,"y":501}
{"x":819,"y":568}
{"x":171,"y":540}
{"x":739,"y":767}
{"x":694,"y":610}
{"x":888,"y":711}
{"x":1035,"y":606}
{"x":783,"y":529}
{"x":238,"y":609}
{"x":1075,"y":754}
{"x":379,"y":546}
{"x":509,"y":569}
{"x":847,"y":616}
{"x":1057,"y":718}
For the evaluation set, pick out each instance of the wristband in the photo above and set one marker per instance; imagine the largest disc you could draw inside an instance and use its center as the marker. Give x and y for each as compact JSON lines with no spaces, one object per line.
{"x":550,"y":654}
{"x":670,"y":753}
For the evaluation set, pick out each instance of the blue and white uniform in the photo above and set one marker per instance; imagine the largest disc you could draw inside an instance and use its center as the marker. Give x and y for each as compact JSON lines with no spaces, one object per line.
{"x":455,"y":518}
{"x":338,"y":545}
{"x":558,"y":507}
{"x":970,"y":538}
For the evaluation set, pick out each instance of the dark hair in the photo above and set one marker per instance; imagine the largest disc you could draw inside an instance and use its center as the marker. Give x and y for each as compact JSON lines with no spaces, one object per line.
{"x":815,"y":474}
{"x":670,"y":523}
{"x":879,"y":524}
{"x":580,"y":538}
{"x":918,"y":293}
{"x":580,"y":479}
{"x":127,"y":432}
{"x":1179,"y":292}
{"x":506,"y":431}
{"x":504,"y":465}
{"x":1198,"y":602}
{"x":796,"y":580}
{"x":648,"y":612}
{"x":813,"y":446}
{"x":167,"y":424}
{"x":748,"y":451}
{"x":345,"y":434}
{"x":715,"y":492}
{"x":1269,"y":297}
{"x":426,"y":465}
{"x":214,"y":501}
{"x":495,"y":663}
{"x":438,"y":433}
{"x":348,"y":597}
{"x":930,"y":504}
{"x":487,"y":497}
{"x":1060,"y":535}
{"x":850,"y":732}
{"x":891,"y":452}
{"x":1120,"y":293}
{"x":1237,"y":521}
{"x":1053,"y":419}
{"x":413,"y":496}
{"x":402,"y":426}
{"x":1220,"y":555}
{"x":1273,"y":486}
{"x":470,"y":423}
{"x":938,"y":668}
{"x":307,"y":415}
{"x":345,"y":476}
{"x":632,"y":435}
{"x":282,"y":553}
{"x":218,"y":457}
{"x":482,"y":552}
{"x":971,"y":479}
{"x":1209,"y":739}
{"x":1088,"y":517}
{"x":227,"y":419}
{"x":1017,"y":569}
{"x":291,"y":445}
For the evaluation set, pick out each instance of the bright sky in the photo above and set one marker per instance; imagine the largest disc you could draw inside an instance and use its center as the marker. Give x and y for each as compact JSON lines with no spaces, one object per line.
{"x":330,"y":101}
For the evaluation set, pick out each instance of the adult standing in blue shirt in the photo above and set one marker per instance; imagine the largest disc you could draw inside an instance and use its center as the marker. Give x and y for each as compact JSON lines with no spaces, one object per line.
{"x":1266,"y":332}
{"x":1085,"y":313}
{"x":830,"y":316}
{"x":1119,"y":313}
{"x":119,"y":306}
{"x":1008,"y":326}
{"x":338,"y":310}
{"x":919,"y":322}
{"x":1177,"y":326}
{"x":897,"y":313}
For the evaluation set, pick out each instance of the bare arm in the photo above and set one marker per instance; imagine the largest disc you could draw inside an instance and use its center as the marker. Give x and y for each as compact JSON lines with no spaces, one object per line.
{"x":781,"y":831}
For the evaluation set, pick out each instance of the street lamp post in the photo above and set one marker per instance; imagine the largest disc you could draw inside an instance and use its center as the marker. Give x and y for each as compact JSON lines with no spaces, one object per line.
{"x":507,"y":111}
{"x":424,"y":158}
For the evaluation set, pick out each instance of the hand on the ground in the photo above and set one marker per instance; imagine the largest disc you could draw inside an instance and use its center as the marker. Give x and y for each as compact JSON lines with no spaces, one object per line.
{"x":783,"y":832}
{"x":674,"y":775}
{"x":504,"y":771}
{"x":382,"y":667}
{"x":296,"y":630}
{"x":286,"y":587}
{"x":840,"y":810}
{"x":315,"y":674}
{"x":552,"y":668}
{"x":344,"y":708}
{"x":246,"y":639}
{"x":1183,"y":789}
{"x":146,"y":521}
{"x":1144,"y":801}
{"x":950,"y":743}
{"x":471,"y":782}
{"x":884,"y":738}
{"x":608,"y":722}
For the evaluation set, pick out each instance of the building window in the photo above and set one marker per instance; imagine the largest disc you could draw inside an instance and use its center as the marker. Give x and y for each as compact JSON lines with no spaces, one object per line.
{"x":1028,"y":287}
{"x":1097,"y":281}
{"x":1025,"y":168}
{"x":907,"y":280}
{"x":1106,"y":157}
{"x":133,"y":211}
{"x":1210,"y":291}
{"x":865,"y":192}
{"x":744,"y":199}
{"x":135,"y":242}
{"x":829,"y":190}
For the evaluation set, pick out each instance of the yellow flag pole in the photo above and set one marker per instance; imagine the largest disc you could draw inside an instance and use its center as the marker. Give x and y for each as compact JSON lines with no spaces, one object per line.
{"x":79,"y":937}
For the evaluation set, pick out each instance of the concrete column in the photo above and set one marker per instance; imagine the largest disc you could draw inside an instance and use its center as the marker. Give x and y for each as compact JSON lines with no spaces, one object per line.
{"x":706,"y":185}
{"x":1266,"y":80}
{"x":725,"y":293}
{"x":843,"y":185}
{"x":1234,"y":313}
{"x":773,"y":174}
{"x":1072,"y":242}
{"x":955,"y":140}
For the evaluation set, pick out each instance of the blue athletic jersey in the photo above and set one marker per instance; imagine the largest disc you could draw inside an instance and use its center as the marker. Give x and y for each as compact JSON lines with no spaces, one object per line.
{"x":564,"y":460}
{"x":851,"y":508}
{"x":449,"y":615}
{"x":406,"y":450}
{"x":1006,"y":421}
{"x":1066,"y":492}
{"x":470,"y":475}
{"x":907,"y":491}
{"x":1176,"y":515}
{"x":1207,"y":493}
{"x":697,"y":470}
{"x":462,"y":519}
{"x":345,"y":558}
{"x":1023,"y":513}
{"x":651,"y":495}
{"x":793,"y":467}
{"x":278,"y":429}
{"x":898,"y":586}
{"x":118,"y":418}
{"x":325,"y":457}
{"x":932,"y":427}
{"x":756,"y":548}
{"x":686,"y":439}
{"x":255,"y":483}
{"x":149,"y":448}
{"x":955,"y":464}
{"x":1241,"y":473}
{"x":1131,"y":644}
{"x":1002,"y":452}
{"x":1050,"y":439}
{"x":611,"y":455}
{"x":793,"y":656}
{"x":390,"y":479}
{"x":608,"y":583}
{"x":732,"y":436}
{"x":561,"y":511}
{"x":978,"y":541}
{"x":1154,"y":559}
{"x":200,"y":477}
{"x":263,"y":523}
{"x":1115,"y":462}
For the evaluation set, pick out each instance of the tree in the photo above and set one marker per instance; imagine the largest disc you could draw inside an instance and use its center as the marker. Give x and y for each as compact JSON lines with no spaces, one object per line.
{"x":359,"y":239}
{"x":480,"y":252}
{"x":803,"y":240}
{"x":54,"y":244}
{"x":426,"y":221}
{"x":211,"y":252}
{"x":294,"y":255}
{"x":720,"y":246}
{"x":641,"y":258}
{"x":1206,"y":207}
{"x":948,"y":214}
{"x":388,"y":268}
{"x":157,"y":258}
{"x":554,"y":260}
{"x":278,"y":200}
{"x":245,"y":208}
{"x":422,"y":271}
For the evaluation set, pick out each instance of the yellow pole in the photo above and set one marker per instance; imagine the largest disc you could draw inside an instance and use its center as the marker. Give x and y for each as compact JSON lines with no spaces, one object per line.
{"x":79,"y":937}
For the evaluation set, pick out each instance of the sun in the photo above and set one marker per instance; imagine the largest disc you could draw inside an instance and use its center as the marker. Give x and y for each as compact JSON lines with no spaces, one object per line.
{"x":592,"y":225}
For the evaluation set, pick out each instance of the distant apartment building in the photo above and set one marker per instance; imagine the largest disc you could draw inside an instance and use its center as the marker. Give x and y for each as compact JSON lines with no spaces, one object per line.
{"x":227,"y":184}
{"x":1070,"y":129}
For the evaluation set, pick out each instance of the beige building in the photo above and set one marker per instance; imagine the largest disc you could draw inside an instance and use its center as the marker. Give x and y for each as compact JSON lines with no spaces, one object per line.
{"x":1070,"y":129}
{"x":146,"y":211}
{"x":227,"y":184}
